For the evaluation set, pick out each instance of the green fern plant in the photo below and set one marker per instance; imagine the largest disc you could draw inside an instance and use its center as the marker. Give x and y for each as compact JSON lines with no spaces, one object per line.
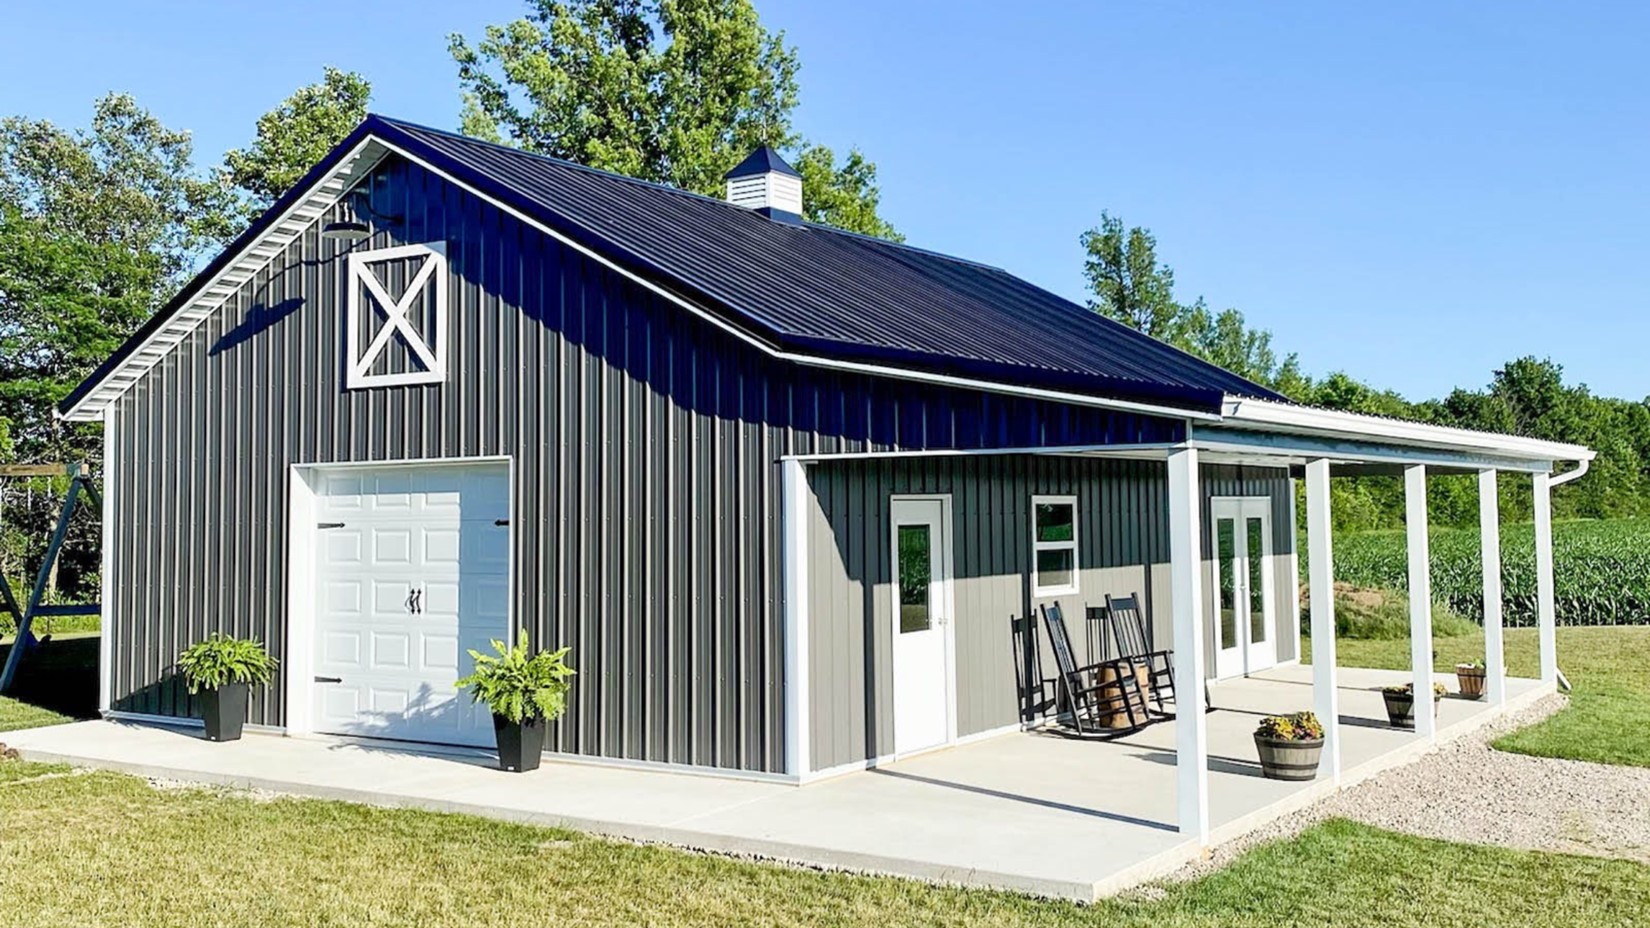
{"x":519,"y":684}
{"x":221,"y":659}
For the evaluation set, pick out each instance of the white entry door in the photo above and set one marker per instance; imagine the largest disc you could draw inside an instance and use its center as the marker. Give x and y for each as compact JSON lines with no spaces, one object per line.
{"x":412,"y":572}
{"x":922,"y":616}
{"x":1245,"y":615}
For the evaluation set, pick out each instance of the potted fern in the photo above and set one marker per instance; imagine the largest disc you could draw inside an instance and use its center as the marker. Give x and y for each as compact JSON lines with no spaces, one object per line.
{"x":1289,"y":746}
{"x":525,"y":690}
{"x":220,"y":670}
{"x":1400,"y":703}
{"x":1471,"y":678}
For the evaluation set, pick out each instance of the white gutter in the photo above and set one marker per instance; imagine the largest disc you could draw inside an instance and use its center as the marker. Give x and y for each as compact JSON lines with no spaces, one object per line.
{"x":1242,"y":412}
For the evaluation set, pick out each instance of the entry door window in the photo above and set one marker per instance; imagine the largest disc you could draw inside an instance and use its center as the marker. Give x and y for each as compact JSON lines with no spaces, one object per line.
{"x":920,"y":565}
{"x":1244,"y":599}
{"x":916,"y":576}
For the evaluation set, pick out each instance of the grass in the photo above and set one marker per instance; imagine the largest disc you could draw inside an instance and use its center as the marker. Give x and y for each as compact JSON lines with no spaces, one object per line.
{"x":1384,"y":614}
{"x":58,"y":684}
{"x":1609,"y":710}
{"x":102,"y":848}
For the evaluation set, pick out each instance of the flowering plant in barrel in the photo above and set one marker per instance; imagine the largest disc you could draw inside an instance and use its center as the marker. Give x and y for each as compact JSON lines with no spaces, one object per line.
{"x":1471,"y":678}
{"x":1400,"y":703}
{"x":1289,"y":746}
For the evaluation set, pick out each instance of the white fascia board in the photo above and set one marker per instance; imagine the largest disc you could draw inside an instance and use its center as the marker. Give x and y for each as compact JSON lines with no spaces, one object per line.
{"x":1241,"y":412}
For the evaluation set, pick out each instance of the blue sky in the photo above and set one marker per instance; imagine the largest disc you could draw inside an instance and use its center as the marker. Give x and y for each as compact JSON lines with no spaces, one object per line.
{"x":1412,"y":193}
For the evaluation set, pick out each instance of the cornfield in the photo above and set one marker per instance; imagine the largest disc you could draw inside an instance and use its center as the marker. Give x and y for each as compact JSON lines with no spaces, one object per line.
{"x":1601,"y":573}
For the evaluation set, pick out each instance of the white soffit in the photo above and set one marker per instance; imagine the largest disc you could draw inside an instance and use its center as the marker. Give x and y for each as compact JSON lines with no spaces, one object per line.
{"x":254,"y":257}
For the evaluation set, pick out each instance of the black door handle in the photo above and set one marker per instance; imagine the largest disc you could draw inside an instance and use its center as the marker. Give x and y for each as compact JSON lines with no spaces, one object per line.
{"x":329,"y":679}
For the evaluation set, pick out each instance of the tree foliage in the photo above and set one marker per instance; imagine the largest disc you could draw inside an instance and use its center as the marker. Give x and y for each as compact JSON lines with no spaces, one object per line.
{"x":671,"y":91}
{"x":294,"y":136}
{"x":1528,"y":396}
{"x":1129,"y":284}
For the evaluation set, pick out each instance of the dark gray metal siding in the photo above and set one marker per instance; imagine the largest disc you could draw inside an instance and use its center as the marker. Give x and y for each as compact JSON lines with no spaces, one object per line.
{"x":645,"y":442}
{"x":1123,"y":548}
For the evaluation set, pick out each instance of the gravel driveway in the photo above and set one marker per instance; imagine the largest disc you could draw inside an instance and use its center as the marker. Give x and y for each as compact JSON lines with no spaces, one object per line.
{"x":1466,"y":791}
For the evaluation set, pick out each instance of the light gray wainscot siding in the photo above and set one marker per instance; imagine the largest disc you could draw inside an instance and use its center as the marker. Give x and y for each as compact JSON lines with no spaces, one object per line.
{"x":1123,"y":549}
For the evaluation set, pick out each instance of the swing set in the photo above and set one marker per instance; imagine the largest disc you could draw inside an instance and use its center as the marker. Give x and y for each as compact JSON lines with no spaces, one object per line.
{"x":24,"y":613}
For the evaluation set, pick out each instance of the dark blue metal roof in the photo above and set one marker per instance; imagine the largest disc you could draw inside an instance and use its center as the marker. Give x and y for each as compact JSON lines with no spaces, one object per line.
{"x":762,"y":161}
{"x":801,"y":287}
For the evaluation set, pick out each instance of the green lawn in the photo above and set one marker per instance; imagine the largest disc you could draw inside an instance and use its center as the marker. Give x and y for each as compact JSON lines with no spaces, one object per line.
{"x":59,"y":684}
{"x":1609,"y":712}
{"x":103,"y":848}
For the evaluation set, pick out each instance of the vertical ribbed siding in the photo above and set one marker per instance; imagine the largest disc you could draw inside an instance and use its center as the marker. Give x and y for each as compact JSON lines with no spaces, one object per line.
{"x":1123,"y":549}
{"x":645,"y":445}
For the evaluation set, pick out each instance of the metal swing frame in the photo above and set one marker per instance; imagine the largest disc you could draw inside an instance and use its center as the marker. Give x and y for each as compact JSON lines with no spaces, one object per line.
{"x":24,"y":615}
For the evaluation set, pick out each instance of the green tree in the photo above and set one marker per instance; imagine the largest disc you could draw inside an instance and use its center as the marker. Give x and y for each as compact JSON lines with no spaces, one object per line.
{"x":1128,"y":283}
{"x":671,"y":91}
{"x":294,"y":136}
{"x":97,"y":229}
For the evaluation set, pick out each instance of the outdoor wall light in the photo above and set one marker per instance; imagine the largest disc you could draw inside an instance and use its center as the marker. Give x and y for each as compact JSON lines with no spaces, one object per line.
{"x":354,"y":230}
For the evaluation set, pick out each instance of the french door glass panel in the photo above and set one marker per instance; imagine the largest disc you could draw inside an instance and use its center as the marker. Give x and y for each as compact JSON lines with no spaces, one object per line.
{"x":1243,"y":600}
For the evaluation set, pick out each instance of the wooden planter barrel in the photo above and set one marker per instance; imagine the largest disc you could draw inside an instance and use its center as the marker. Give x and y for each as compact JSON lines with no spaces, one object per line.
{"x":1400,"y":709}
{"x":1471,"y":679}
{"x":1282,"y":759}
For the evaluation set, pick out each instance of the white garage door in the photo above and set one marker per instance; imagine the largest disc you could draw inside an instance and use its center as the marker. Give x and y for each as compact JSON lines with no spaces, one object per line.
{"x":413,"y":571}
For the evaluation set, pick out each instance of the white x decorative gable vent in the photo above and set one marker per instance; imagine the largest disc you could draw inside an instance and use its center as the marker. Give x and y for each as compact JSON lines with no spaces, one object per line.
{"x":395,"y":326}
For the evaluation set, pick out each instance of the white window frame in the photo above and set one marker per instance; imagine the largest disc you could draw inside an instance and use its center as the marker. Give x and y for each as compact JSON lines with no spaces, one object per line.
{"x":1037,"y":588}
{"x":430,"y":348}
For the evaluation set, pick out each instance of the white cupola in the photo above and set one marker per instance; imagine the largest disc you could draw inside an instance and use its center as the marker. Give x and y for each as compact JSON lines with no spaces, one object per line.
{"x":765,"y":183}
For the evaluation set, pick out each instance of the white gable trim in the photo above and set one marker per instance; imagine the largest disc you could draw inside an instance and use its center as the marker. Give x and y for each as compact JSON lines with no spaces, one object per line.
{"x":255,"y":257}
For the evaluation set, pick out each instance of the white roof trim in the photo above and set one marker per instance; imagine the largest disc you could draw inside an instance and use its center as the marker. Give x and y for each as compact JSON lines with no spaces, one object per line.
{"x":1329,"y":423}
{"x":254,"y":257}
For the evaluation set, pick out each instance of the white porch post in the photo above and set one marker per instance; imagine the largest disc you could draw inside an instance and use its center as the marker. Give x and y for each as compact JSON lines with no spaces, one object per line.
{"x":1321,"y":589}
{"x":1489,"y":534}
{"x":1420,"y":598}
{"x":794,"y":577}
{"x":1185,"y":573}
{"x":1545,"y":615}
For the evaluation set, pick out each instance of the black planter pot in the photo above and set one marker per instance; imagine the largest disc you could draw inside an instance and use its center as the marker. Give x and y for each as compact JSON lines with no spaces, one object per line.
{"x":224,"y":710}
{"x":520,"y":744}
{"x":1281,"y":759}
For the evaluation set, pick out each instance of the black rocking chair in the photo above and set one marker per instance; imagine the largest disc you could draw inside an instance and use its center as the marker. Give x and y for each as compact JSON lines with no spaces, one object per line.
{"x":1127,"y":626}
{"x":1097,"y":694}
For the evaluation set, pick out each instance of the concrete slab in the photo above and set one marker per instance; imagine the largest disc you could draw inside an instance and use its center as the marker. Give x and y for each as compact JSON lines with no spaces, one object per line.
{"x":1034,"y":812}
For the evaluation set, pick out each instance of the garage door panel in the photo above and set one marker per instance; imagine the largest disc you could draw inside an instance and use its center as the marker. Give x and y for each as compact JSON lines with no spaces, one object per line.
{"x":429,"y":530}
{"x":441,"y":546}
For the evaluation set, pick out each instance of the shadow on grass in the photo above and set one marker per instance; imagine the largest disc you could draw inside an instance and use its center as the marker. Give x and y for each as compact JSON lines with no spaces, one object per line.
{"x":60,"y":676}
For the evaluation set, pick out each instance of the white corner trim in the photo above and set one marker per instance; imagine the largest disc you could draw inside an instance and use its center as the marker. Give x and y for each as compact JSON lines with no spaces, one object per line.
{"x":1334,"y":423}
{"x":106,"y":592}
{"x":797,"y":685}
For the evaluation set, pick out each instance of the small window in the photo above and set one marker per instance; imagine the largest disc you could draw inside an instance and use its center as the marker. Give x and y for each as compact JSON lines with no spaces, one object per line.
{"x":1053,"y":545}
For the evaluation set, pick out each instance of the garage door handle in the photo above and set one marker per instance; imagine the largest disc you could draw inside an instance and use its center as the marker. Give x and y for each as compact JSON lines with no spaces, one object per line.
{"x":329,"y":679}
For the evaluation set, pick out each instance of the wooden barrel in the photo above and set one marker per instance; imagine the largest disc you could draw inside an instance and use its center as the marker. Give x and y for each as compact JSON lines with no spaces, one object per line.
{"x":1112,"y":713}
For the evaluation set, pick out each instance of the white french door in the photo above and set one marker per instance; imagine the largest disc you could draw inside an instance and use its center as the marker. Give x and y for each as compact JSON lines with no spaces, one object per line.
{"x":1245,"y":601}
{"x":922,"y":604}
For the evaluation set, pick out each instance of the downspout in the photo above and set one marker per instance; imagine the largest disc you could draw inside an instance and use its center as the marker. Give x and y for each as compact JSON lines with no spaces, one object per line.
{"x":1563,"y":478}
{"x":1569,"y":475}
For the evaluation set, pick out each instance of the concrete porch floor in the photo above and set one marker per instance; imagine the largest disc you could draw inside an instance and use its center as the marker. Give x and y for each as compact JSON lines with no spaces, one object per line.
{"x":1035,"y":812}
